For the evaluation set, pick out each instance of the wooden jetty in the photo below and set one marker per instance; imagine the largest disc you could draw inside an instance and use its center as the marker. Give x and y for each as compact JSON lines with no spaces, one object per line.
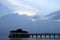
{"x":44,"y":35}
{"x":24,"y":34}
{"x":37,"y":35}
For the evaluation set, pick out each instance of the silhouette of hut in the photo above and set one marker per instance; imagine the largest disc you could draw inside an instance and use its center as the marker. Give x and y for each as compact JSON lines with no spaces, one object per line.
{"x":24,"y":32}
{"x":19,"y":30}
{"x":19,"y":33}
{"x":16,"y":31}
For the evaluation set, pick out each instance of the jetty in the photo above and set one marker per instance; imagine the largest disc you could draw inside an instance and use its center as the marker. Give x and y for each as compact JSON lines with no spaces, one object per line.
{"x":19,"y":33}
{"x":45,"y":35}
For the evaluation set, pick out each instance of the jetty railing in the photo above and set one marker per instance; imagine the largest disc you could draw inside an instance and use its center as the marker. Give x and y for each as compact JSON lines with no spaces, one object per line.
{"x":42,"y":35}
{"x":45,"y":35}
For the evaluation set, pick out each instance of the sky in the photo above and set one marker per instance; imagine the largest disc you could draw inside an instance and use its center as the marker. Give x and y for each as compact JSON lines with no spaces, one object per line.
{"x":42,"y":7}
{"x":38,"y":11}
{"x":32,"y":7}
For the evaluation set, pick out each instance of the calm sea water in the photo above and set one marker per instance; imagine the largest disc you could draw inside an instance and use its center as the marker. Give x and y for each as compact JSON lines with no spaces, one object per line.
{"x":7,"y":38}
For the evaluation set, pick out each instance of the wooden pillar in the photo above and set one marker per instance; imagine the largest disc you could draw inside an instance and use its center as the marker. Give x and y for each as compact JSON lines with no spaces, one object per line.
{"x":36,"y":36}
{"x":40,"y":36}
{"x":54,"y":35}
{"x":45,"y":36}
{"x":59,"y":36}
{"x":32,"y":36}
{"x":49,"y":36}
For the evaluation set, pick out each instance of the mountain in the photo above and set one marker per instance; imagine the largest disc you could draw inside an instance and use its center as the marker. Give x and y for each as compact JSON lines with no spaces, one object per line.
{"x":4,"y":10}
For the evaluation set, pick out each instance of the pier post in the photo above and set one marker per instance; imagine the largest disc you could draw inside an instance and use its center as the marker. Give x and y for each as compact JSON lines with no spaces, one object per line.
{"x":59,"y":35}
{"x":45,"y":36}
{"x":49,"y":36}
{"x":36,"y":36}
{"x":40,"y":36}
{"x":32,"y":36}
{"x":54,"y":35}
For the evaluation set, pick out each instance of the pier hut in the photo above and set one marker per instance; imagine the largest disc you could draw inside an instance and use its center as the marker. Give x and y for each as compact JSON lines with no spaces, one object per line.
{"x":19,"y":33}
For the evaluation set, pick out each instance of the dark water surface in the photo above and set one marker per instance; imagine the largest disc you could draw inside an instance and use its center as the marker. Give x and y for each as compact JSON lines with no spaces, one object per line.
{"x":7,"y":38}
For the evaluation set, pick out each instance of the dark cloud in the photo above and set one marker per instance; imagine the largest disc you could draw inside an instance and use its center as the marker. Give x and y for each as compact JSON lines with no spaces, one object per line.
{"x":56,"y":15}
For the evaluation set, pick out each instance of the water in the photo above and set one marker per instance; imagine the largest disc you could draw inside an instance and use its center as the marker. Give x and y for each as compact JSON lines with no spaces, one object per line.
{"x":7,"y":38}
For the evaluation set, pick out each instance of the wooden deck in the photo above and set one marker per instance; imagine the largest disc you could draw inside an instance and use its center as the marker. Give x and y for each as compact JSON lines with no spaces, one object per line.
{"x":41,"y":35}
{"x":45,"y":35}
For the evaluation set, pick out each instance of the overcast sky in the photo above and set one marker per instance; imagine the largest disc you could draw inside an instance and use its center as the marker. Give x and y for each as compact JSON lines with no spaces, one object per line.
{"x":32,"y":8}
{"x":42,"y":7}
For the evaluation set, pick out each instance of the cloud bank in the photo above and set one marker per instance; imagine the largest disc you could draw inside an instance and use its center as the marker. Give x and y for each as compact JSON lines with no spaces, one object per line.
{"x":41,"y":8}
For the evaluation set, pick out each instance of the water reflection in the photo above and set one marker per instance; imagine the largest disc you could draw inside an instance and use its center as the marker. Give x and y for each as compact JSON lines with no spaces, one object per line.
{"x":31,"y":39}
{"x":18,"y":38}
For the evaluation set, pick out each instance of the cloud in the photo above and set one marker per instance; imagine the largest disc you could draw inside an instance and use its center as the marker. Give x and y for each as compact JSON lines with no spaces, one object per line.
{"x":28,"y":13}
{"x":40,"y":8}
{"x":22,"y":4}
{"x":57,"y":20}
{"x":14,"y":2}
{"x":33,"y":20}
{"x":46,"y":17}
